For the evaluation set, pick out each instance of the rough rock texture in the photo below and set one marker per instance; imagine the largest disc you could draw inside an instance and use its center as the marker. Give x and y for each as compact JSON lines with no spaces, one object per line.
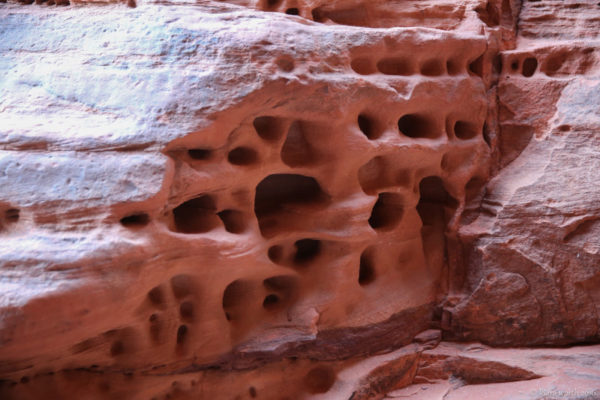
{"x":285,"y":199}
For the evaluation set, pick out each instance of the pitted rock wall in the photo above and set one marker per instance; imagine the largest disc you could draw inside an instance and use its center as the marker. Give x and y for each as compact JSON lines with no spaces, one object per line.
{"x":295,"y":199}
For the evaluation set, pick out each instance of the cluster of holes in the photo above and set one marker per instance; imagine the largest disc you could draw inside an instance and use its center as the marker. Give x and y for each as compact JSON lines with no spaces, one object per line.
{"x":353,"y":16}
{"x":302,"y":253}
{"x":181,"y":288}
{"x":47,"y":2}
{"x":278,"y":292}
{"x":404,"y":66}
{"x":199,"y":215}
{"x":527,"y":67}
{"x":416,"y":125}
{"x":241,"y":155}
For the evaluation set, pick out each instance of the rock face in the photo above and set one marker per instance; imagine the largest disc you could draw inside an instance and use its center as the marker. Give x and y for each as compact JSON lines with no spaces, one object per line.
{"x":282,"y":199}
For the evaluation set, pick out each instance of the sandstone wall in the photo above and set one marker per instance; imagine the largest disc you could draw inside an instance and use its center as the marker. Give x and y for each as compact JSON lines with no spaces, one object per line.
{"x":299,"y":199}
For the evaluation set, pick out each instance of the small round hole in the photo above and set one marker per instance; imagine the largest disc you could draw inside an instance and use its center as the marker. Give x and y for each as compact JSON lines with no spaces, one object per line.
{"x":242,"y":156}
{"x":135,"y":220}
{"x":529,"y":66}
{"x":275,"y":254}
{"x":271,"y":301}
{"x":199,"y":154}
{"x":292,"y":11}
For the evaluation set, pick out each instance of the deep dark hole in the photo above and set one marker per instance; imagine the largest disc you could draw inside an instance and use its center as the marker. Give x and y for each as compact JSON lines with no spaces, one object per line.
{"x":415,"y":126}
{"x":135,"y":220}
{"x":386,"y":212}
{"x":271,"y":301}
{"x":280,"y":190}
{"x":564,"y":128}
{"x":182,"y":334}
{"x":11,"y":215}
{"x":514,"y":65}
{"x":195,"y":215}
{"x":366,"y":273}
{"x":306,"y":250}
{"x":529,"y":66}
{"x":292,"y":11}
{"x":233,"y":220}
{"x":368,"y":126}
{"x":200,"y":154}
{"x":268,"y":128}
{"x":465,"y":130}
{"x":242,"y":156}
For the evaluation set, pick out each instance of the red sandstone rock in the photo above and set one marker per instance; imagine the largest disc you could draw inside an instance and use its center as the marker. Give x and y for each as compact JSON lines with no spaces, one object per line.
{"x":213,"y":201}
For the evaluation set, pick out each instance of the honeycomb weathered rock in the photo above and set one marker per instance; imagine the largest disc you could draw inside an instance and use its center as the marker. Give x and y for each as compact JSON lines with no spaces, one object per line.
{"x":213,"y":201}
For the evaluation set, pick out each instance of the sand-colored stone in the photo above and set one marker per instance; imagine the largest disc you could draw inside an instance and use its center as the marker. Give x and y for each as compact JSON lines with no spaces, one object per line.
{"x":284,"y":199}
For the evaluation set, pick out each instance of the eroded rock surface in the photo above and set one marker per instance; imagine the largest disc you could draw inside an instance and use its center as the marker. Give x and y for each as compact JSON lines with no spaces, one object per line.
{"x":298,"y":199}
